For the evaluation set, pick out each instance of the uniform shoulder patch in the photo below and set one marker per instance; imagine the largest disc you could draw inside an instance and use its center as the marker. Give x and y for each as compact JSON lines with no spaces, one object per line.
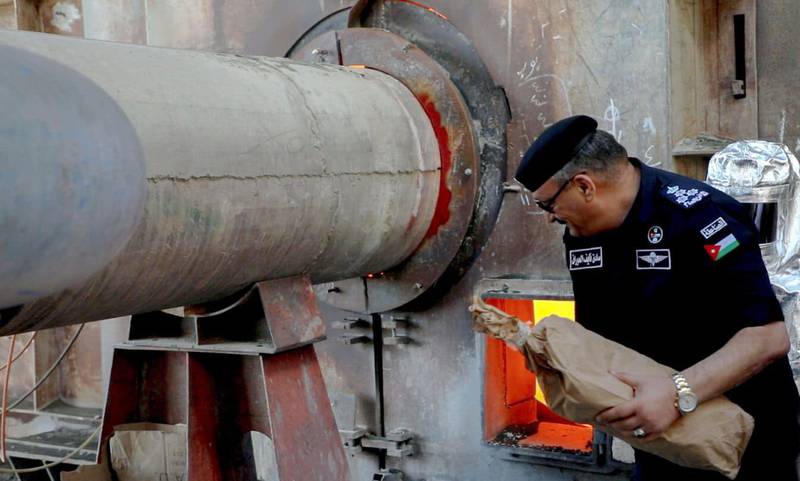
{"x":683,"y":196}
{"x":719,"y":232}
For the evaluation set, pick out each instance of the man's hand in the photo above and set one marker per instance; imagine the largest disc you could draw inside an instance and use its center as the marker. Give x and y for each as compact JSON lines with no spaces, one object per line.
{"x":652,"y":407}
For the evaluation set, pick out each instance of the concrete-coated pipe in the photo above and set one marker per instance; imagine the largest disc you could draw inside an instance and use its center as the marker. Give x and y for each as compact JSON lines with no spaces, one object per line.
{"x":72,"y":181}
{"x":256,"y":169}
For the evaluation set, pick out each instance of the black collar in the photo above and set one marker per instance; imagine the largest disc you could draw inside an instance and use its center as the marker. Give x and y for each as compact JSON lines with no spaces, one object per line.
{"x":643,"y":206}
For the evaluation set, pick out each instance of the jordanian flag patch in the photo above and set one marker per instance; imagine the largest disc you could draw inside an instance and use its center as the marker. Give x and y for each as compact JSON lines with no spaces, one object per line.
{"x":722,"y":248}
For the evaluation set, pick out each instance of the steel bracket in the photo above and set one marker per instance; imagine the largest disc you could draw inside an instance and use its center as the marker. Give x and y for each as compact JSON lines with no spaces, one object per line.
{"x":397,"y":443}
{"x":271,"y":317}
{"x":395,"y":330}
{"x":388,"y":475}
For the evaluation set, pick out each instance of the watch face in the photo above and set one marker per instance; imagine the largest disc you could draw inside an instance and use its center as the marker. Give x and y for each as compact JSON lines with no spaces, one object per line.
{"x":687,"y":402}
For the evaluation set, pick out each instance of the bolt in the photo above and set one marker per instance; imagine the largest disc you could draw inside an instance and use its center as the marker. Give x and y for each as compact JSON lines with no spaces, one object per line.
{"x":418,"y":286}
{"x":468,"y":172}
{"x":334,"y":289}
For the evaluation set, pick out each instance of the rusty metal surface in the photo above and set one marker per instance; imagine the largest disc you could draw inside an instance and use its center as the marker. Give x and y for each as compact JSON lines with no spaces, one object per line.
{"x":270,"y":317}
{"x":80,"y":381}
{"x":307,"y":444}
{"x":46,"y":349}
{"x":223,"y":398}
{"x":433,"y":32}
{"x":451,"y":121}
{"x":227,"y":400}
{"x":434,"y":35}
{"x":146,"y":386}
{"x":238,"y":407}
{"x":292,"y":313}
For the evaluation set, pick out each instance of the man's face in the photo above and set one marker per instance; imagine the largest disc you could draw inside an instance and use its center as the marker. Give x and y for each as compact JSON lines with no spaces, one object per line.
{"x":563,"y":204}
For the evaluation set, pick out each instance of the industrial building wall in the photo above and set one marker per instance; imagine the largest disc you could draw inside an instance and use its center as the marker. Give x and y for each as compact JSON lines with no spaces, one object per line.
{"x":778,"y":72}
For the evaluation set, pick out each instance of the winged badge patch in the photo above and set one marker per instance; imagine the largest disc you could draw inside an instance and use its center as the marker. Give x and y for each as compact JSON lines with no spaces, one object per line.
{"x":653,"y":259}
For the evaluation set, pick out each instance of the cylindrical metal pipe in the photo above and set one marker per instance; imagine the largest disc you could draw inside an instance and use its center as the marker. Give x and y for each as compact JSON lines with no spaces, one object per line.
{"x":72,"y":181}
{"x":256,"y":169}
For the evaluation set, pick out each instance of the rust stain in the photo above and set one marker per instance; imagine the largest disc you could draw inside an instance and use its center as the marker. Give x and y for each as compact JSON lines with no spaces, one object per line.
{"x":442,"y":213}
{"x":430,"y":9}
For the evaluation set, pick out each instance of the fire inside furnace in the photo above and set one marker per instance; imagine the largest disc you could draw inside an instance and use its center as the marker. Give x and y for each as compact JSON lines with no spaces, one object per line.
{"x":515,"y":410}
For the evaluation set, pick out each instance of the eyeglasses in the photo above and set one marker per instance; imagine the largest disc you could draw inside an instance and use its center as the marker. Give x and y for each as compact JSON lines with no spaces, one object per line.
{"x":547,"y":205}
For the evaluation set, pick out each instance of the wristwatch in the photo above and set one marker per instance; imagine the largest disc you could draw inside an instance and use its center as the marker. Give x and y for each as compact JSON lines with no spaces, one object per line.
{"x":686,"y":400}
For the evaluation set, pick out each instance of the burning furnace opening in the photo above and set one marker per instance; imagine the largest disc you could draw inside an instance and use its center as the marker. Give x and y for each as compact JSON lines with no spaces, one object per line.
{"x":515,"y":410}
{"x":517,"y":422}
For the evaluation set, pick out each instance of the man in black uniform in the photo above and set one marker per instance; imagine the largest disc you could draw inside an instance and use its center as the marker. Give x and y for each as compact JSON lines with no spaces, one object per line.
{"x":671,"y":268}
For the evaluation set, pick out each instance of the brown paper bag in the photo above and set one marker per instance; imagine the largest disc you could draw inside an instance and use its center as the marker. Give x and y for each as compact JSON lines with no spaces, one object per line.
{"x":571,"y":365}
{"x":139,"y":452}
{"x":149,"y":452}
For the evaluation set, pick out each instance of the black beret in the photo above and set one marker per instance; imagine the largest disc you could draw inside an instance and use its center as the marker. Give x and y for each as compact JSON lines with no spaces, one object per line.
{"x":556,"y":146}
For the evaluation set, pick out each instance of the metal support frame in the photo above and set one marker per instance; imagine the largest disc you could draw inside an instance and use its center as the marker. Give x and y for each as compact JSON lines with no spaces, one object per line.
{"x":269,"y":317}
{"x":224,"y":392}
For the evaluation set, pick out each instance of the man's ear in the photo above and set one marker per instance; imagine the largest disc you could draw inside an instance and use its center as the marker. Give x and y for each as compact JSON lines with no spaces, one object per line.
{"x":586,"y":186}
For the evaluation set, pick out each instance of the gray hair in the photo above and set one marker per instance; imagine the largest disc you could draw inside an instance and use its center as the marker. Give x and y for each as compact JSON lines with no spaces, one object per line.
{"x":601,"y":155}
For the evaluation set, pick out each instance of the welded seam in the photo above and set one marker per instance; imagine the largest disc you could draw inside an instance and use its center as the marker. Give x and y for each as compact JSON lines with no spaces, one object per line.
{"x":331,"y":229}
{"x":189,"y":178}
{"x":391,"y":214}
{"x":315,"y":127}
{"x":315,"y":132}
